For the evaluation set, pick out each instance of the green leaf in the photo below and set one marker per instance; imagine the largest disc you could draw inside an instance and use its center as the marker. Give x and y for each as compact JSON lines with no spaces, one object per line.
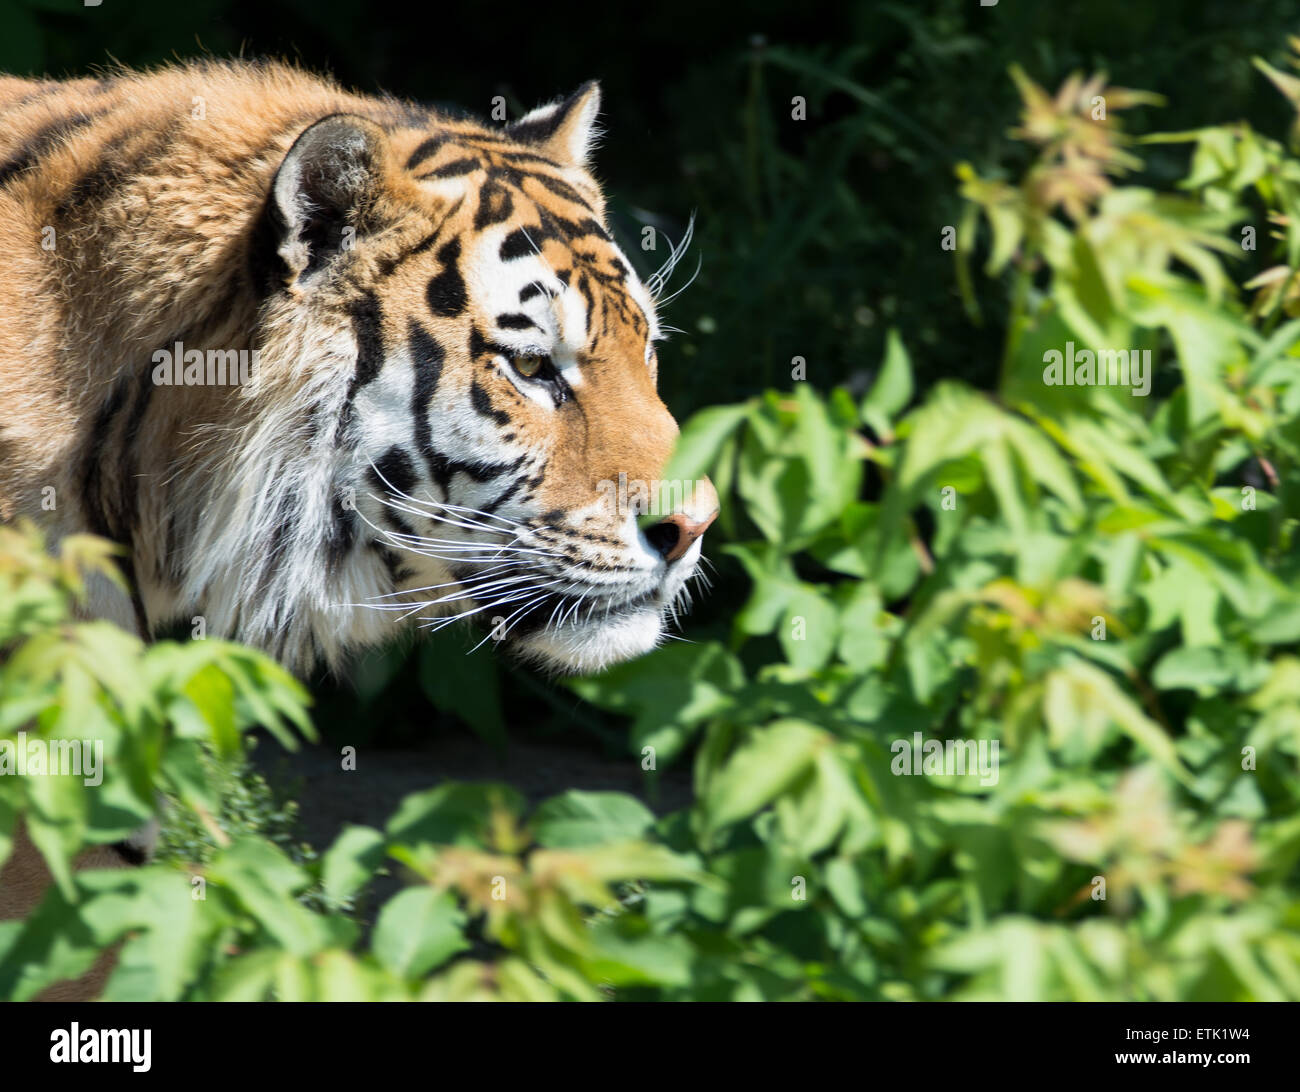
{"x":580,"y":818}
{"x":264,"y":882}
{"x":419,"y":929}
{"x":705,"y":680}
{"x":892,"y":389}
{"x":351,"y":861}
{"x":187,"y":774}
{"x":702,"y":440}
{"x":861,"y":642}
{"x":1081,"y":698}
{"x":809,"y":628}
{"x":636,"y":960}
{"x":451,"y":814}
{"x":771,"y":760}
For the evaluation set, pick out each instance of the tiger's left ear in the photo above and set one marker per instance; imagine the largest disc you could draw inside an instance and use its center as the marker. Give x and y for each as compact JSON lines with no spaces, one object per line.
{"x":324,"y":192}
{"x":565,"y":131}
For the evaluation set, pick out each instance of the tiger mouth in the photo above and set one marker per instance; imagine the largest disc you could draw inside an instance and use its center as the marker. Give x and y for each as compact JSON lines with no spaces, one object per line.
{"x":560,"y":609}
{"x":573,"y":627}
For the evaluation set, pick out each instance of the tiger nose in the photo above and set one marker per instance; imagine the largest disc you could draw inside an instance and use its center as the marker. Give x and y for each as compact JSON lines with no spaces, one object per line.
{"x":673,"y":536}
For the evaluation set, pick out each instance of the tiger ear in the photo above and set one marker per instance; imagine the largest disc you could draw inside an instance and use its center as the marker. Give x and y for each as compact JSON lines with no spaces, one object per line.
{"x":565,"y":130}
{"x":324,"y":190}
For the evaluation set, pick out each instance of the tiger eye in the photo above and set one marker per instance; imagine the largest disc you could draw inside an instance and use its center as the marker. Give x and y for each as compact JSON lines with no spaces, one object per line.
{"x":528,"y":366}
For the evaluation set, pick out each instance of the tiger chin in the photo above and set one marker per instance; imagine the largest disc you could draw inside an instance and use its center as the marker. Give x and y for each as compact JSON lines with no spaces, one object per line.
{"x":331,"y":366}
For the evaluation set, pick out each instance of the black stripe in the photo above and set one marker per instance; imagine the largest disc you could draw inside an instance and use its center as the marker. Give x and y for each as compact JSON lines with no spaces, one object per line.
{"x":454,"y":169}
{"x":167,"y":568}
{"x":516,"y":320}
{"x":485,"y":472}
{"x":46,"y":87}
{"x":397,"y":571}
{"x":115,"y":519}
{"x":92,"y":500}
{"x":481,"y":346}
{"x":584,"y":287}
{"x":128,"y":470}
{"x":563,"y":228}
{"x":561,"y":189}
{"x":115,"y":167}
{"x":40,"y":142}
{"x":394,"y":471}
{"x":482,"y":404}
{"x":398,"y":525}
{"x":427,"y":358}
{"x":518,"y":244}
{"x":368,"y":327}
{"x":514,"y":155}
{"x":137,"y":605}
{"x":444,"y":468}
{"x":342,"y":532}
{"x":504,"y":496}
{"x":273,"y":555}
{"x":387,"y":266}
{"x":425,"y":151}
{"x":495,"y":205}
{"x":446,"y":291}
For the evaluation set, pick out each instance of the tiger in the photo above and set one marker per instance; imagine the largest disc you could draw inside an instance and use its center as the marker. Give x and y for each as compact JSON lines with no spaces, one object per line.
{"x":331,"y":366}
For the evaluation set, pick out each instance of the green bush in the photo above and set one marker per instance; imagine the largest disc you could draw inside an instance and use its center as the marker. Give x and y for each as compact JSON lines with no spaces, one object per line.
{"x":1100,"y":583}
{"x":232,"y":915}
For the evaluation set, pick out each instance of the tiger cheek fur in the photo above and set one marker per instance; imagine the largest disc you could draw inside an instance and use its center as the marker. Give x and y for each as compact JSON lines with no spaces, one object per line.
{"x":453,"y":373}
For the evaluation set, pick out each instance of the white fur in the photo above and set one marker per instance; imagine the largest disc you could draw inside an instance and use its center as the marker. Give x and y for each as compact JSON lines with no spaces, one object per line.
{"x":306,"y":607}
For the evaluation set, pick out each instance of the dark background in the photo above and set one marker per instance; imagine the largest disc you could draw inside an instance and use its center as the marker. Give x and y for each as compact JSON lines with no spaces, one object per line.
{"x":813,"y":237}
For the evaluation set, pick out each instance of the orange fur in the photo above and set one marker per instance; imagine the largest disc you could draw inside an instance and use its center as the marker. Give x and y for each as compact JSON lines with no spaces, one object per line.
{"x":397,"y":423}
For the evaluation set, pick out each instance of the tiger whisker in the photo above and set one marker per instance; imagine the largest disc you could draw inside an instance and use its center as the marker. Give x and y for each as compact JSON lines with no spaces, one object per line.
{"x":463,"y":551}
{"x":419,"y":507}
{"x":504,"y":566}
{"x":506,"y":625}
{"x":452,"y":554}
{"x":658,"y":280}
{"x":460,"y":521}
{"x":451,"y":544}
{"x":470,"y":589}
{"x":438,"y":504}
{"x":395,"y":538}
{"x":414,"y":510}
{"x":412,"y":544}
{"x":436,"y":624}
{"x":669,"y":299}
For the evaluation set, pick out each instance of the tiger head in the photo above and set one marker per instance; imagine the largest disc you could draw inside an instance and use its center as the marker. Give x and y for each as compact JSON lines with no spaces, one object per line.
{"x":485,"y":357}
